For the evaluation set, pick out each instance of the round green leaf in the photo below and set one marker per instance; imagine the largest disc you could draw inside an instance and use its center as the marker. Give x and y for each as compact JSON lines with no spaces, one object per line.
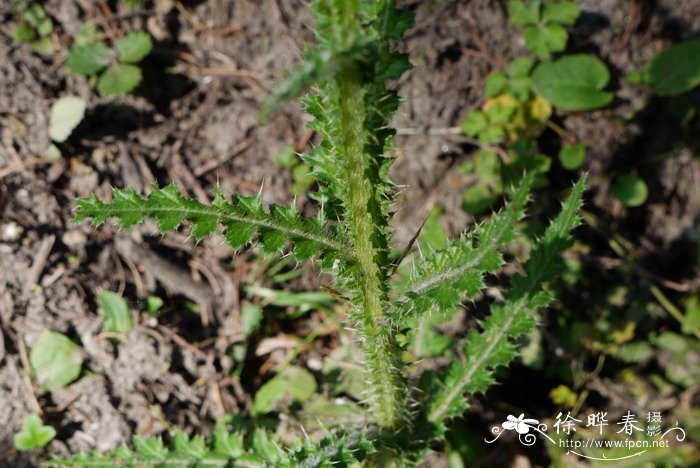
{"x":55,"y":360}
{"x":89,"y":58}
{"x":675,"y":70}
{"x":66,"y":113}
{"x":571,"y":156}
{"x":133,"y":47}
{"x":630,"y":190}
{"x":573,"y":82}
{"x":119,"y":79}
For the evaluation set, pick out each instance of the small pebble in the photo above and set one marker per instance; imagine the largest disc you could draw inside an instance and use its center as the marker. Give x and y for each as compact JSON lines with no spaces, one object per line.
{"x":10,"y":232}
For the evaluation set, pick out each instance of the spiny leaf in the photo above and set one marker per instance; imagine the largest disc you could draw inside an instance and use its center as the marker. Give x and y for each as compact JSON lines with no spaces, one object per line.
{"x":443,"y":276}
{"x":493,"y":347}
{"x":242,"y":217}
{"x":230,"y":449}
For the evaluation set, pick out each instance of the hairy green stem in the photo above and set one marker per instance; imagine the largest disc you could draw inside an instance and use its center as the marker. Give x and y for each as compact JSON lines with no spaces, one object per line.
{"x":378,"y":339}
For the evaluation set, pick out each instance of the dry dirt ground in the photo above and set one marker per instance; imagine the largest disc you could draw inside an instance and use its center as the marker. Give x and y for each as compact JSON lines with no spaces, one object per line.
{"x":193,"y":121}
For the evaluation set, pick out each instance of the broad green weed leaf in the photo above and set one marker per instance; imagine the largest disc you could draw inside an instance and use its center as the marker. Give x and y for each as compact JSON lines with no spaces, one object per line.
{"x":571,"y":156}
{"x":34,"y":434}
{"x":133,"y":47}
{"x":66,"y":113}
{"x":153,"y":305}
{"x":561,"y":12}
{"x":542,"y":41}
{"x":119,"y":79}
{"x":55,"y":360}
{"x":117,"y":316}
{"x":630,"y":190}
{"x":675,"y":70}
{"x":88,"y":58}
{"x":522,"y":13}
{"x":573,"y":82}
{"x":293,"y":383}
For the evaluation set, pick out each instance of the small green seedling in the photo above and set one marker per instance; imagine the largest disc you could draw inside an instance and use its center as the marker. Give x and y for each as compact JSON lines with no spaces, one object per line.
{"x":544,"y":23}
{"x":113,"y":68}
{"x":55,"y":360}
{"x":117,"y":316}
{"x":153,"y":305}
{"x":34,"y":434}
{"x":34,"y":27}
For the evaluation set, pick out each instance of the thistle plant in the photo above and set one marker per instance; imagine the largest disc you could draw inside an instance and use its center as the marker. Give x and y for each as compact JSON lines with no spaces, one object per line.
{"x":349,"y":73}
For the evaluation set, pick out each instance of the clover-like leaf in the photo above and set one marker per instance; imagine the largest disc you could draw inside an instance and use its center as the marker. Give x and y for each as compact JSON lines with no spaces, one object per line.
{"x":119,"y":79}
{"x":88,"y":58}
{"x":133,"y":47}
{"x":522,"y":13}
{"x":545,"y":40}
{"x":34,"y":434}
{"x":55,"y":360}
{"x":573,"y":82}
